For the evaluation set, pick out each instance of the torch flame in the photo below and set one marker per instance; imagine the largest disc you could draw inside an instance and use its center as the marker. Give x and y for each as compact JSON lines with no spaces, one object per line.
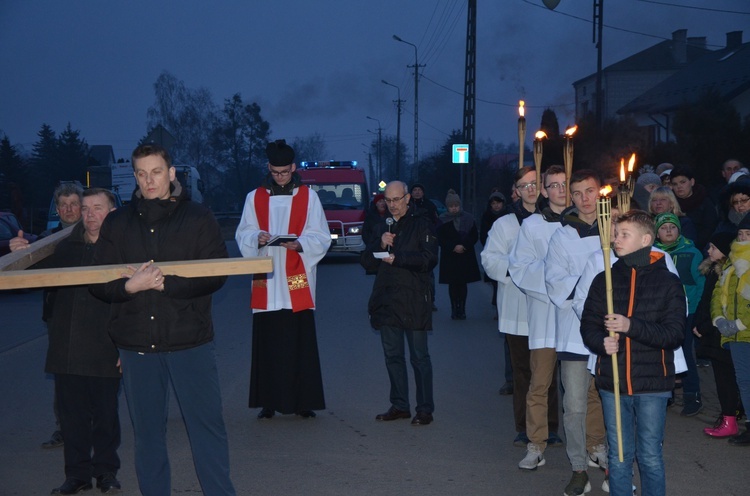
{"x":605,"y":190}
{"x":570,"y":131}
{"x":622,"y":170}
{"x":520,"y":108}
{"x":540,"y":135}
{"x":631,"y":163}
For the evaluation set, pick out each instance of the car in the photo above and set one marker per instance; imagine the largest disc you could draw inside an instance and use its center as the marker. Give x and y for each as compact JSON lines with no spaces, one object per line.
{"x":9,"y":227}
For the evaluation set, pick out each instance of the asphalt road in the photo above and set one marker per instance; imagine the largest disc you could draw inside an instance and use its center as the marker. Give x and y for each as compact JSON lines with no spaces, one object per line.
{"x":468,"y":450}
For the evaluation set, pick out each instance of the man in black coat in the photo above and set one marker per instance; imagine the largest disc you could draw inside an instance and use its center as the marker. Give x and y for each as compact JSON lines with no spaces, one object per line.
{"x":400,"y":305}
{"x":162,"y":325}
{"x":85,"y":362}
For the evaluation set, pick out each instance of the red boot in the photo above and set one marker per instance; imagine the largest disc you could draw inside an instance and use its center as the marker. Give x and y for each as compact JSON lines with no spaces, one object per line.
{"x":726,"y":427}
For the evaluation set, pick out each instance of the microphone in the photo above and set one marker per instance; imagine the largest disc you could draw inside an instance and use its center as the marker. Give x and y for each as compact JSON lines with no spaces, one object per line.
{"x":389,"y":221}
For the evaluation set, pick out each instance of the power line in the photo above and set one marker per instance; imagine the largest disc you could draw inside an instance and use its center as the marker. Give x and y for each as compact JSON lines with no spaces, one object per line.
{"x":682,"y":6}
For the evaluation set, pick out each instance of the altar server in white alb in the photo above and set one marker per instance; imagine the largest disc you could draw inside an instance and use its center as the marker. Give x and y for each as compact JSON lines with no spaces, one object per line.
{"x":285,"y":374}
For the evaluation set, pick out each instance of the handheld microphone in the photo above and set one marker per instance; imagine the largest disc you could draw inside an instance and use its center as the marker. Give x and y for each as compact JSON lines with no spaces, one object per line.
{"x":389,"y":221}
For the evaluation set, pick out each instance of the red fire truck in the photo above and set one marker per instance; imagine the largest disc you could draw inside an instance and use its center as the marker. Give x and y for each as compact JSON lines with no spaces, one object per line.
{"x":342,"y":189}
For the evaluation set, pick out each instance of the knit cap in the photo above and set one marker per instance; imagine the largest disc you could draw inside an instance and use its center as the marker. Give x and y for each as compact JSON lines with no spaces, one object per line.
{"x":723,"y":241}
{"x":452,"y":199}
{"x":663,"y":167}
{"x":667,"y":217}
{"x":497,"y":196}
{"x":648,"y":178}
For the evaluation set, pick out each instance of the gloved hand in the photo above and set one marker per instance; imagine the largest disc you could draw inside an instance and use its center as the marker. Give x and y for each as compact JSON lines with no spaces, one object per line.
{"x":727,"y":328}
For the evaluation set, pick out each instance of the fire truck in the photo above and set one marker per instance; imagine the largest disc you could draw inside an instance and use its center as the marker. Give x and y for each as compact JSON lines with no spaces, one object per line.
{"x":342,"y":189}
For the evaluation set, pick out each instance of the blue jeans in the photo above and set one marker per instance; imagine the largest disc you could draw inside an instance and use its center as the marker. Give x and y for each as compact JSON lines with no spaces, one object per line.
{"x":643,"y":419}
{"x":195,"y":379}
{"x":741,"y":359}
{"x":395,"y":361}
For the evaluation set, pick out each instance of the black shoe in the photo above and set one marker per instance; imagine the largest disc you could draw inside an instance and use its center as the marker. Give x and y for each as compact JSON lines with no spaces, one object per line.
{"x":55,"y":441}
{"x":741,"y":440}
{"x":266,"y":413}
{"x":507,"y":389}
{"x":72,"y":486}
{"x":307,"y":414}
{"x":393,"y":413}
{"x":554,"y":439}
{"x":108,"y":483}
{"x":422,"y":418}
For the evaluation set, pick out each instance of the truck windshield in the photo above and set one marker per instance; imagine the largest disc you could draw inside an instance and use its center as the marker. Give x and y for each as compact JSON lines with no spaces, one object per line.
{"x":339,"y":196}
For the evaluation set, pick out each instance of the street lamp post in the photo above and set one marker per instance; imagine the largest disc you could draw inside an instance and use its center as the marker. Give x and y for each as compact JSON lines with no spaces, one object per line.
{"x":416,"y":98}
{"x":398,"y":128}
{"x":380,"y":131}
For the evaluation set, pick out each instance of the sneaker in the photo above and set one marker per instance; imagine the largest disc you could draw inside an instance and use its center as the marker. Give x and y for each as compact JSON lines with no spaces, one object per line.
{"x":605,"y":484}
{"x":598,"y":457}
{"x":692,"y":407}
{"x":55,"y":441}
{"x":579,"y":484}
{"x":533,"y":459}
{"x":521,"y":440}
{"x":554,"y":439}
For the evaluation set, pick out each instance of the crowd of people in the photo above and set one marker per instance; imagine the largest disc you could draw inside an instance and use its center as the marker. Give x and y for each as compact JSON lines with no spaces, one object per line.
{"x":680,"y":296}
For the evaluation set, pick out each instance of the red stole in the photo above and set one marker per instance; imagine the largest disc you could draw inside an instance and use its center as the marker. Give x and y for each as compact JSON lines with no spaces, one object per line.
{"x":296,"y":277}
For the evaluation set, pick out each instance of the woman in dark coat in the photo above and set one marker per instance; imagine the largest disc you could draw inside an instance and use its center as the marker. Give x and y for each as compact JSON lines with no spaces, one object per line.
{"x":495,"y":209}
{"x":457,"y":234}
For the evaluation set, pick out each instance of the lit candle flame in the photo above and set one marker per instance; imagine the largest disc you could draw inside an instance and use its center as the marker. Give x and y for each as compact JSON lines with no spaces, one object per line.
{"x":622,"y":170}
{"x":520,"y":108}
{"x":570,"y":131}
{"x":540,"y":135}
{"x":631,"y":163}
{"x":605,"y":190}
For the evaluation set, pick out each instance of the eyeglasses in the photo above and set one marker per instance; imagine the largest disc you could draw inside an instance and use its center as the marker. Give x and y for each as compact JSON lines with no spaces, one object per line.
{"x":281,"y":173}
{"x":526,"y":186}
{"x":557,"y":185}
{"x":740,"y":201}
{"x":395,"y":200}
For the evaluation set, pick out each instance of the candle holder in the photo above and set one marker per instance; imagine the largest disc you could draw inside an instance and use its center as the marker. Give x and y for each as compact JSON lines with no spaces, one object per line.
{"x":604,"y":220}
{"x":521,"y":132}
{"x":538,"y":151}
{"x":568,"y":158}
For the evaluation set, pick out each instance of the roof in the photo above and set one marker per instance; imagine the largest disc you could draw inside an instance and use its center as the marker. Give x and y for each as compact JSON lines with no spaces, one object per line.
{"x":102,"y":154}
{"x":726,"y":72}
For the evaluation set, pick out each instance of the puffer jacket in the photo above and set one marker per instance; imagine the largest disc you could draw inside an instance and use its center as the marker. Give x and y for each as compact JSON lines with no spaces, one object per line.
{"x":657,"y":325}
{"x":160,"y":230}
{"x":401,"y":294}
{"x":731,"y":300}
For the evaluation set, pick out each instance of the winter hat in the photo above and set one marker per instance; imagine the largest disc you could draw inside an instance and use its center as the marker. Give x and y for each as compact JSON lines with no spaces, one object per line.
{"x":667,"y":217}
{"x":377,"y":198}
{"x":737,"y":175}
{"x":452,"y":199}
{"x":497,"y":196}
{"x":662,"y":168}
{"x":648,"y":178}
{"x":723,"y":241}
{"x":744,"y":223}
{"x":279,"y":153}
{"x":417,"y":185}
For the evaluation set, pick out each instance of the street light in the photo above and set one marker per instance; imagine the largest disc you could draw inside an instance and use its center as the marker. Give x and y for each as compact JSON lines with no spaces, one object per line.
{"x":416,"y":99}
{"x":380,"y":129}
{"x":398,"y":128}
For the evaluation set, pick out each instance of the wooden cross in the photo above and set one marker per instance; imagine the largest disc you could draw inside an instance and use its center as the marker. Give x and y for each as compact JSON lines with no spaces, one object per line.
{"x":13,"y":275}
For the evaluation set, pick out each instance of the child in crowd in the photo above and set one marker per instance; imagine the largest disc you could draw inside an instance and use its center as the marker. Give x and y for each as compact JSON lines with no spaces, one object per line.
{"x":730,"y":310}
{"x":710,"y":340}
{"x":686,"y":258}
{"x":649,"y":324}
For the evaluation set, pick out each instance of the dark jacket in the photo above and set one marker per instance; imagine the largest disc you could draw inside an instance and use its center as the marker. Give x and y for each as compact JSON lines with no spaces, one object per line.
{"x":657,"y":325}
{"x":702,"y":212}
{"x":77,"y":325}
{"x":402,"y":295}
{"x":372,"y":219}
{"x":160,"y":230}
{"x":458,"y":268}
{"x":709,"y":344}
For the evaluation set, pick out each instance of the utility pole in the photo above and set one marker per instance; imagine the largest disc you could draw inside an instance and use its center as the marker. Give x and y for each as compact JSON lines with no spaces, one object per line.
{"x":416,"y":67}
{"x":469,"y":172}
{"x":398,"y":127}
{"x":597,"y":37}
{"x":380,"y":141}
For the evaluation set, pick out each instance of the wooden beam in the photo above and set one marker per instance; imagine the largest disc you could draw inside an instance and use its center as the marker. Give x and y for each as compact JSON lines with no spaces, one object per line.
{"x":37,"y":251}
{"x":74,"y":276}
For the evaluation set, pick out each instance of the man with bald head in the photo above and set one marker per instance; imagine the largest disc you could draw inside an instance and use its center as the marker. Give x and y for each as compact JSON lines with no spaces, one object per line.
{"x":403,"y":254}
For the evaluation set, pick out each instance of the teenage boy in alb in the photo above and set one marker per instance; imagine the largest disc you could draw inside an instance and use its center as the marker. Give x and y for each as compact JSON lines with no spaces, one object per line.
{"x":512,"y":307}
{"x":569,"y":249}
{"x":527,"y":272}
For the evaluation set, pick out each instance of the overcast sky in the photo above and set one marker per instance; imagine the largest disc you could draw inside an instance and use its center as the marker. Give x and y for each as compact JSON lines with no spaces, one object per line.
{"x":317,"y":66}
